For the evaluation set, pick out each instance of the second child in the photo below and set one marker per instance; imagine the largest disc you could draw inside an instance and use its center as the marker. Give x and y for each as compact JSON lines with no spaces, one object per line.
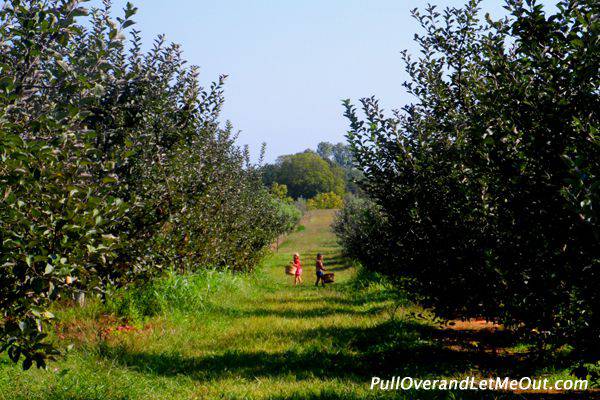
{"x":320,"y":269}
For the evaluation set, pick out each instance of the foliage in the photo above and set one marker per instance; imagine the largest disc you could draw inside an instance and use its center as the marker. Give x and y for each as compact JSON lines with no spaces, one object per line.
{"x":325,"y":150}
{"x":338,"y":176}
{"x":288,"y":216}
{"x":288,"y":213}
{"x":57,"y":212}
{"x":488,"y":181}
{"x":364,"y":235}
{"x":279,"y":191}
{"x":113,"y":167}
{"x":324,"y":201}
{"x":340,"y":154}
{"x":305,"y":175}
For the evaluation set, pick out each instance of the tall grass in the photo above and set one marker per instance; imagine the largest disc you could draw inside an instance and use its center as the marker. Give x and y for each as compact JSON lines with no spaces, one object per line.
{"x":172,"y":294}
{"x":196,"y":292}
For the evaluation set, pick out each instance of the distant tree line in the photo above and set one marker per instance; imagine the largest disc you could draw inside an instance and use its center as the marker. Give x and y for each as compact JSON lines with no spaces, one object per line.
{"x":328,"y":170}
{"x":114,"y":167}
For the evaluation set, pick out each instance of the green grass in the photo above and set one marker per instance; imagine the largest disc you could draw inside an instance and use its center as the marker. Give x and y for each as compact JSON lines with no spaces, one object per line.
{"x":217,"y":335}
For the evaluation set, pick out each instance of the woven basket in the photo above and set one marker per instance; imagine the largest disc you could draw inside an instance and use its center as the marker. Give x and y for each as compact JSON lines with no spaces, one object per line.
{"x":290,"y":269}
{"x":328,"y":278}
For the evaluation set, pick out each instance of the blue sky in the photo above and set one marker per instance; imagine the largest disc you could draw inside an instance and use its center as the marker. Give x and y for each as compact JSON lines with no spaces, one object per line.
{"x":290,"y":63}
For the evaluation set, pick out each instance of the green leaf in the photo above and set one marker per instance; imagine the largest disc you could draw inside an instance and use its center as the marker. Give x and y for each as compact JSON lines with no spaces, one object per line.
{"x":127,"y":24}
{"x":49,"y":269}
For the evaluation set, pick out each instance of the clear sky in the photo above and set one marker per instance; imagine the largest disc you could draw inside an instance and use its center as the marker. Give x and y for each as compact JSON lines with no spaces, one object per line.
{"x":291,"y":62}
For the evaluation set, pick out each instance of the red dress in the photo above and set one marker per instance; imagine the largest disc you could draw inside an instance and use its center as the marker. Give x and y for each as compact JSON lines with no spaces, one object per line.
{"x":298,"y":267}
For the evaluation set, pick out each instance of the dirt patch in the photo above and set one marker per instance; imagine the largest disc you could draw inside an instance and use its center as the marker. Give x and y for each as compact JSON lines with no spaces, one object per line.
{"x":91,"y":330}
{"x":476,"y":335}
{"x":474,"y":325}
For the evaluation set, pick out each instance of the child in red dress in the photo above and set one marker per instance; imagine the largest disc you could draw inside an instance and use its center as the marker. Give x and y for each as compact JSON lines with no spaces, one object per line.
{"x":298,"y":275}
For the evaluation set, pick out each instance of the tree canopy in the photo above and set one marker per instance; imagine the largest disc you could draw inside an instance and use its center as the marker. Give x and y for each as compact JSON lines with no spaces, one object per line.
{"x":305,"y":175}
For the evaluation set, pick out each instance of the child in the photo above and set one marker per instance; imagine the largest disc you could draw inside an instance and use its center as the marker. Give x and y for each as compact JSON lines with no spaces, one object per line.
{"x":298,"y":276}
{"x":320,"y":268}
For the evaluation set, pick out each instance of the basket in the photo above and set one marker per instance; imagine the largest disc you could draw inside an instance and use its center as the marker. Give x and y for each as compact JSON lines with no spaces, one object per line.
{"x":328,"y":278}
{"x":290,"y":269}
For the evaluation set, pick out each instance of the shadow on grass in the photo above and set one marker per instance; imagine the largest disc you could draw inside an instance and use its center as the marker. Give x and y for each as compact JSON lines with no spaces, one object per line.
{"x":315,"y":312}
{"x":347,"y":300}
{"x":353,"y":354}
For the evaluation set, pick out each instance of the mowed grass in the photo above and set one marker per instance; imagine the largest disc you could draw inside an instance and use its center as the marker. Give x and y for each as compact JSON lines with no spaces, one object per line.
{"x":253,"y":337}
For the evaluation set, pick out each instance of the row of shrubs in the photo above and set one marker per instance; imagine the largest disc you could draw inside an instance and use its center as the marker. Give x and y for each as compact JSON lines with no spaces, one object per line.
{"x":483,"y":193}
{"x":327,"y":200}
{"x":114,"y":167}
{"x":323,"y":201}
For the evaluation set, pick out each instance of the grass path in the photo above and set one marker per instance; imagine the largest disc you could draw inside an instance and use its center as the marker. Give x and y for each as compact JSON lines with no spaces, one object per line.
{"x":260,"y":338}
